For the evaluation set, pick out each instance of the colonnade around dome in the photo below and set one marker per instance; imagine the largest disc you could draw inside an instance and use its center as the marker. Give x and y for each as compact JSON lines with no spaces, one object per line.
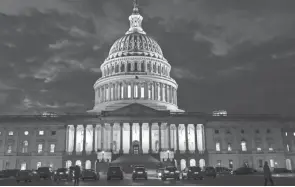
{"x":136,"y":64}
{"x":146,"y":90}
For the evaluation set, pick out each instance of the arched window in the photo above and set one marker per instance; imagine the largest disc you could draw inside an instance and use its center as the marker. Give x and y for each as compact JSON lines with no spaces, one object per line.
{"x":182,"y":164}
{"x":244,"y":145}
{"x":192,"y":162}
{"x":68,"y":164}
{"x":155,"y":68}
{"x":159,"y":69}
{"x":135,"y":66}
{"x":88,"y":164}
{"x":78,"y":163}
{"x":107,"y":93}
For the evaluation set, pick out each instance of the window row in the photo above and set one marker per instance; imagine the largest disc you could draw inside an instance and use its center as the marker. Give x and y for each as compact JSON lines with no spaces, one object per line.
{"x":26,"y":133}
{"x":243,"y":146}
{"x":286,"y":133}
{"x":257,"y":131}
{"x":151,"y":91}
{"x":25,"y":148}
{"x":124,"y":67}
{"x":23,"y":165}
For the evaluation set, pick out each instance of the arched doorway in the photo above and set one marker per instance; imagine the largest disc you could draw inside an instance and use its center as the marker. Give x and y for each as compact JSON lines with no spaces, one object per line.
{"x":135,"y":147}
{"x":202,"y":163}
{"x":192,"y":162}
{"x":182,"y":164}
{"x":288,"y":164}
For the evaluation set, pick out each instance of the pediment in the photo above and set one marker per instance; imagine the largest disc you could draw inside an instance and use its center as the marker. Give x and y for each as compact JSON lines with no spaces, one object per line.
{"x":135,"y":109}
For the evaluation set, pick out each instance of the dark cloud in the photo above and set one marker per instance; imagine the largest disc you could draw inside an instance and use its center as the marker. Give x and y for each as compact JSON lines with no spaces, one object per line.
{"x":231,"y":54}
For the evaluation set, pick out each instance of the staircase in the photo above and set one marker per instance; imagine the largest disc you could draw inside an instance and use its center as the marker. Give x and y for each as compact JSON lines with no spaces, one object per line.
{"x":123,"y":104}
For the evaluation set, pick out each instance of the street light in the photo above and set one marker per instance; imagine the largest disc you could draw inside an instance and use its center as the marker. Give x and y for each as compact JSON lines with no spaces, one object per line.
{"x":168,"y":152}
{"x":102,"y":155}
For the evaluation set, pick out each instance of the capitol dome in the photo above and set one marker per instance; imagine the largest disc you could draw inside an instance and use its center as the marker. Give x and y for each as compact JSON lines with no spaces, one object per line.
{"x":135,"y":71}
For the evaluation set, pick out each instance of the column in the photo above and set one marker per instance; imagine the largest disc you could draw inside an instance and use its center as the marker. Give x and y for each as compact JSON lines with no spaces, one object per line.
{"x":177,"y":138}
{"x":121,"y":138}
{"x":84,"y":138}
{"x":75,"y":138}
{"x":102,"y":136}
{"x":93,"y":137}
{"x":169,"y":136}
{"x":160,"y":136}
{"x":112,"y":133}
{"x":175,"y":97}
{"x":186,"y":137}
{"x":196,"y":139}
{"x":130,"y":146}
{"x":150,"y":138}
{"x":140,"y":137}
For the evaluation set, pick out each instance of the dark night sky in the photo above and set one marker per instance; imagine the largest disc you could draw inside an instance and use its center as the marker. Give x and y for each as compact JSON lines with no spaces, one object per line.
{"x":237,"y":55}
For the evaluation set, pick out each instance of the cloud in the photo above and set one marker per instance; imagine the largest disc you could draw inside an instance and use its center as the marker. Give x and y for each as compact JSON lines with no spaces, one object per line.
{"x":182,"y":73}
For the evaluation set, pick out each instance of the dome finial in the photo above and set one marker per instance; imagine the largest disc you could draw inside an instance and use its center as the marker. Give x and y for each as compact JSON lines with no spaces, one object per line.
{"x":135,"y":6}
{"x":135,"y":20}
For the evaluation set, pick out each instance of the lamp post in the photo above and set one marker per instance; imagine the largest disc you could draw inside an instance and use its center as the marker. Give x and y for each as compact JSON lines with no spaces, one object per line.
{"x":168,"y":154}
{"x":102,"y":155}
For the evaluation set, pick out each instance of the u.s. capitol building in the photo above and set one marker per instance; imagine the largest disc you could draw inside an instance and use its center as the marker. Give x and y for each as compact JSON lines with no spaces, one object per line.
{"x":136,"y":113}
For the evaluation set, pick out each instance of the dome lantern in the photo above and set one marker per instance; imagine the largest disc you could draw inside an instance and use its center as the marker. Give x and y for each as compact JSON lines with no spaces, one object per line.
{"x":135,"y":20}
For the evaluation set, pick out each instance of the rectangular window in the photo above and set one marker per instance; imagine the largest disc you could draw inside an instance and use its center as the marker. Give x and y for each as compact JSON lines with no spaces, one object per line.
{"x":40,"y":148}
{"x":218,"y":162}
{"x":41,"y":133}
{"x":10,"y":133}
{"x":23,"y":166}
{"x":53,"y":133}
{"x":129,"y":91}
{"x":272,"y":163}
{"x":52,"y":148}
{"x":7,"y":164}
{"x":244,"y":146}
{"x":229,"y":147}
{"x":230,"y":164}
{"x":39,"y":164}
{"x":9,"y":149}
{"x":217,"y":146}
{"x":260,"y":163}
{"x":258,"y":148}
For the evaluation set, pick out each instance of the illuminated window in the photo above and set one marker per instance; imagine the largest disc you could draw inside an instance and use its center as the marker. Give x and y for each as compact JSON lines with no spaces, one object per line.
{"x":52,"y":148}
{"x":10,"y":133}
{"x":26,"y":133}
{"x":51,"y":165}
{"x":0,"y":133}
{"x":150,"y":92}
{"x":288,"y":148}
{"x":286,"y":134}
{"x":272,"y":163}
{"x":142,"y":91}
{"x":25,"y":146}
{"x":9,"y":149}
{"x":23,"y":166}
{"x":293,"y":133}
{"x":243,"y":146}
{"x":39,"y":164}
{"x":129,"y":91}
{"x":230,"y":164}
{"x":41,"y":133}
{"x":40,"y":148}
{"x":229,"y":147}
{"x":258,"y":148}
{"x":218,"y":162}
{"x":135,"y":91}
{"x":122,"y":91}
{"x":217,"y":146}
